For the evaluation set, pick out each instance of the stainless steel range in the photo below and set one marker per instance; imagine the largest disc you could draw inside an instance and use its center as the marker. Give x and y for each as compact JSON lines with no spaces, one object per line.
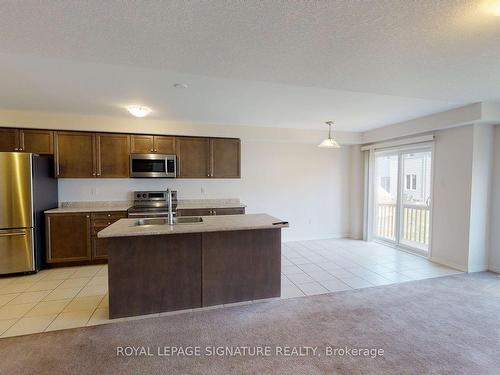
{"x":152,"y":204}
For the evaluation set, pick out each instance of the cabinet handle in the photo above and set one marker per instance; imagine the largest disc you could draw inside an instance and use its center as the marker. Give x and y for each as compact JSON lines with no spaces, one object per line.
{"x":20,"y":148}
{"x":87,"y":216}
{"x":151,"y":150}
{"x":109,"y":215}
{"x":93,"y":173}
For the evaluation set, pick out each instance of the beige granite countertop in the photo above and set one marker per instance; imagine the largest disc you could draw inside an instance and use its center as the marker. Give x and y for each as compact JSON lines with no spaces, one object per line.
{"x":128,"y":227}
{"x":70,"y":207}
{"x":183,"y":204}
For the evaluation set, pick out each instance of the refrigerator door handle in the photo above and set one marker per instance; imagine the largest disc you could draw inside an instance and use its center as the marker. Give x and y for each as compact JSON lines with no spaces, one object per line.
{"x":13,"y":234}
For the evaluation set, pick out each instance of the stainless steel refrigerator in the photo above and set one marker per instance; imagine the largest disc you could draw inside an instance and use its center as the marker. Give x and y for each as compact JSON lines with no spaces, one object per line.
{"x":27,"y":188}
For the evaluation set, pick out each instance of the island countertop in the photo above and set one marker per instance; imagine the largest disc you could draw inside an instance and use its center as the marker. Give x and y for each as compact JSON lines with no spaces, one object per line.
{"x":129,"y":227}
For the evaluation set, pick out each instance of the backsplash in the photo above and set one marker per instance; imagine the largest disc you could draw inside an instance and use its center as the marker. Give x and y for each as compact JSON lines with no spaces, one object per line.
{"x":121,"y":189}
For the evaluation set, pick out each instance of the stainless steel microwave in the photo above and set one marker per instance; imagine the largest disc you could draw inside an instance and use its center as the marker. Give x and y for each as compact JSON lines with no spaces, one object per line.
{"x":152,"y":166}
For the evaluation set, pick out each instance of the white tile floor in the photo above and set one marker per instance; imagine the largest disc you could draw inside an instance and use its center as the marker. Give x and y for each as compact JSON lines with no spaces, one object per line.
{"x":77,"y":296}
{"x":316,"y":267}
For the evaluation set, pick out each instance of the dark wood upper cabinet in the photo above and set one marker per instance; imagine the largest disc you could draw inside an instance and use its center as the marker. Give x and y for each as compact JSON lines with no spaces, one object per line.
{"x":27,"y":140}
{"x":36,"y":141}
{"x":193,"y":157}
{"x":9,"y":140}
{"x":74,"y":154}
{"x":86,"y":155}
{"x":112,"y":151}
{"x":164,"y":145}
{"x":141,"y":144}
{"x":225,"y":158}
{"x":147,"y":144}
{"x":68,"y":237}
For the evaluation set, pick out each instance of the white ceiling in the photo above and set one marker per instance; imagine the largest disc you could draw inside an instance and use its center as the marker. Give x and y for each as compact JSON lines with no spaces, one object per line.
{"x":364,"y":64}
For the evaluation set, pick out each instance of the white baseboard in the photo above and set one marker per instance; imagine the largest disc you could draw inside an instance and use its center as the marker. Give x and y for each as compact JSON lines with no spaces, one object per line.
{"x":446,"y":263}
{"x":318,"y":237}
{"x":495,"y":269}
{"x":478,"y":268}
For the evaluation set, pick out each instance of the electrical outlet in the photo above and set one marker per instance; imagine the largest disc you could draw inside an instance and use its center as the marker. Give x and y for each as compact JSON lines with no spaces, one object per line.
{"x":202,"y":190}
{"x":93,"y":191}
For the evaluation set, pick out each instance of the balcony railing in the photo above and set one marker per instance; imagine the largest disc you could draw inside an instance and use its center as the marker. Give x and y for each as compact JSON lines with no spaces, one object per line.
{"x":415,"y":223}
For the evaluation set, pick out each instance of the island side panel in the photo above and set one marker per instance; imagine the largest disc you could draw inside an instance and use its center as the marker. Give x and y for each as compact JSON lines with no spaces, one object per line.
{"x":241,"y":266}
{"x":151,"y":274}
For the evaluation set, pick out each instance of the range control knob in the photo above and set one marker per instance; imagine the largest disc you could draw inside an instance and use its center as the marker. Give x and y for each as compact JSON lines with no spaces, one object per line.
{"x":144,"y":195}
{"x":138,"y":195}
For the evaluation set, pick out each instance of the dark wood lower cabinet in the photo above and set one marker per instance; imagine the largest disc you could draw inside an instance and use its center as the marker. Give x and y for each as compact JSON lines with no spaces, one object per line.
{"x":151,"y":274}
{"x":72,"y":238}
{"x":68,"y":237}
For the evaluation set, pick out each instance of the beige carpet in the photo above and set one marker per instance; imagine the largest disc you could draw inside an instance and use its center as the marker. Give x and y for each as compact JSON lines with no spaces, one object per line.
{"x":448,"y":325}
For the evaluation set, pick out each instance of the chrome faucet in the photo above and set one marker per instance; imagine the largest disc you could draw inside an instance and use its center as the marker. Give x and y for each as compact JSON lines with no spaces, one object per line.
{"x":170,"y":219}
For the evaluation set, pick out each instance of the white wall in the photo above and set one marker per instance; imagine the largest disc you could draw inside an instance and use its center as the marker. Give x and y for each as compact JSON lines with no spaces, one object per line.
{"x":479,"y":231}
{"x":284,"y":173}
{"x":494,"y":249}
{"x":451,"y":199}
{"x":300,"y":183}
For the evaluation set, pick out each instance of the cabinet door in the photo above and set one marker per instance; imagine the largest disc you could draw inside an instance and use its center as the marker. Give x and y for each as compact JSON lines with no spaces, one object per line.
{"x":75,"y":154}
{"x":36,"y":141}
{"x":141,"y":144}
{"x":164,"y":145}
{"x":9,"y":140}
{"x":112,"y":155}
{"x":229,"y":211}
{"x":193,"y":157}
{"x":68,"y":237}
{"x":225,"y":158}
{"x":195,"y":212}
{"x":101,"y":220}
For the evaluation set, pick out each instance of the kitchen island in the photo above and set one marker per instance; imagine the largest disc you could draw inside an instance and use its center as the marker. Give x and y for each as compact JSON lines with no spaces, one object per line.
{"x":220,"y":260}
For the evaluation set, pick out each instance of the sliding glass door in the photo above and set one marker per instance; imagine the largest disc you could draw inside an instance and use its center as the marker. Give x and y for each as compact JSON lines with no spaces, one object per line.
{"x":402,"y":188}
{"x":386,"y":196}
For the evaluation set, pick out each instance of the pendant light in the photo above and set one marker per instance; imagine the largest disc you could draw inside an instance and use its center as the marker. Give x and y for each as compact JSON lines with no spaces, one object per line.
{"x":329,"y":142}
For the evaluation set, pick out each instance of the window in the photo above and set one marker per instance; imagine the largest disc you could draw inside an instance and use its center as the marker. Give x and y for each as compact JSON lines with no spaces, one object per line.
{"x":411,"y":182}
{"x":385,"y":183}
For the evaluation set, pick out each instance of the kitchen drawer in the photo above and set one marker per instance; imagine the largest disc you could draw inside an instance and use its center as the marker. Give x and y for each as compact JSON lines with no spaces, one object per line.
{"x":230,"y":211}
{"x":210,"y":211}
{"x":194,"y":212}
{"x":98,"y":225}
{"x":110,"y":215}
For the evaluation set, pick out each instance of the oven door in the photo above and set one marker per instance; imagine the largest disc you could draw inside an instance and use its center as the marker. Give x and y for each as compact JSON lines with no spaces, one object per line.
{"x":152,"y":166}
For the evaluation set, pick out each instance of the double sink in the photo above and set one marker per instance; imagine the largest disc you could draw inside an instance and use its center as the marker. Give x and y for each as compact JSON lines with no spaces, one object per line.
{"x":164,"y":221}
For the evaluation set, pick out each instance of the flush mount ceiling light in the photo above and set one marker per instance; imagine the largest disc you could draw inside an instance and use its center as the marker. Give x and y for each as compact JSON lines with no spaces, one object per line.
{"x":180,"y":85}
{"x":138,"y":110}
{"x":329,"y":142}
{"x":491,"y":7}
